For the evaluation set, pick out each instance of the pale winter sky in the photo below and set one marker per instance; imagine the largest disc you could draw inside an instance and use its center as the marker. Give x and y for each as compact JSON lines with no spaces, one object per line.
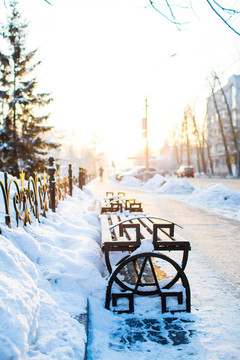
{"x":101,"y":58}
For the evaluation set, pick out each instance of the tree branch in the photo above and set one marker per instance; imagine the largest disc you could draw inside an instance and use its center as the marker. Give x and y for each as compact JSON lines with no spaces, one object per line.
{"x":214,"y":4}
{"x":230,"y":11}
{"x":222,"y":17}
{"x":166,"y":17}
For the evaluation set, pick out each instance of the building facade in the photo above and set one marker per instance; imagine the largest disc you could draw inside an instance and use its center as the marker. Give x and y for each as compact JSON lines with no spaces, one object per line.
{"x":223,"y":127}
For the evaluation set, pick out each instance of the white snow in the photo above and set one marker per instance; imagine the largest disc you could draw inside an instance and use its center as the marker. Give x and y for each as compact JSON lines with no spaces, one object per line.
{"x":50,"y":270}
{"x":130,"y":181}
{"x":215,"y":197}
{"x":175,"y":186}
{"x":154,"y":182}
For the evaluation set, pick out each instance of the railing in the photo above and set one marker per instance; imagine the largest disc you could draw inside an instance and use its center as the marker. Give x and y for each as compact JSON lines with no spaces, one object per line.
{"x":33,"y":197}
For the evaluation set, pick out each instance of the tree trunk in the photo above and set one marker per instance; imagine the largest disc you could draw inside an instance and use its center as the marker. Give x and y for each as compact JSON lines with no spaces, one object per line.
{"x":200,"y":150}
{"x":223,"y":135}
{"x":233,"y":130}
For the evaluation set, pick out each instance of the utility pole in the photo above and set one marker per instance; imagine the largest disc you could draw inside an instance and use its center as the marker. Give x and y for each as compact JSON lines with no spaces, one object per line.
{"x":146,"y":136}
{"x":187,"y":138}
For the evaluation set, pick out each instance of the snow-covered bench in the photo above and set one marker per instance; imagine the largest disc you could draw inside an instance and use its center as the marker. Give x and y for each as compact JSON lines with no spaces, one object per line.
{"x":113,"y":203}
{"x":133,"y":246}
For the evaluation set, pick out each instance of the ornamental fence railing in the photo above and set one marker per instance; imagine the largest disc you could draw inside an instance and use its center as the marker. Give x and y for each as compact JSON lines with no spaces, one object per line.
{"x":24,"y":199}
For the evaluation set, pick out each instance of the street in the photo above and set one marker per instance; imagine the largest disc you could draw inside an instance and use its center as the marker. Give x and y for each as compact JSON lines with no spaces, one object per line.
{"x":214,"y":239}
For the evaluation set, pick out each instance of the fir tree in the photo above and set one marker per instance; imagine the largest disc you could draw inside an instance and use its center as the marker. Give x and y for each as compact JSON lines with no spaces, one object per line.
{"x":22,"y":143}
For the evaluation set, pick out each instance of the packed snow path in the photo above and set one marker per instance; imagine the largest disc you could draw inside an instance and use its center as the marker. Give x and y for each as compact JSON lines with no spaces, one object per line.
{"x":211,"y":330}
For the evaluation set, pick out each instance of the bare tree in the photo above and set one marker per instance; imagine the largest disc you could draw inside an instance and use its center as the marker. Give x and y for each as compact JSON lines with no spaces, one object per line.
{"x":175,"y":145}
{"x":233,"y":129}
{"x":199,"y":143}
{"x":227,"y":155}
{"x":204,"y":141}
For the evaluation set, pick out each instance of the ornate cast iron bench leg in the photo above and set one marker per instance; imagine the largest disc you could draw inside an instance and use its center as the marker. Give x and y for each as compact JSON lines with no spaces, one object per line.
{"x":139,"y":286}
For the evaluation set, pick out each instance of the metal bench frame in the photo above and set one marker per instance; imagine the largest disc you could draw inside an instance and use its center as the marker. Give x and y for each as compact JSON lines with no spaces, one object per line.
{"x":157,"y":228}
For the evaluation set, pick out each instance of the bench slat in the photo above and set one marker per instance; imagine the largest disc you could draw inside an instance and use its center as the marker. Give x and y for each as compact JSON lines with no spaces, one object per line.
{"x":106,"y":235}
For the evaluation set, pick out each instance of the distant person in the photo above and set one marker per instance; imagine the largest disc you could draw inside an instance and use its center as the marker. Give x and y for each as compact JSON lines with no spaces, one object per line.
{"x":101,"y":173}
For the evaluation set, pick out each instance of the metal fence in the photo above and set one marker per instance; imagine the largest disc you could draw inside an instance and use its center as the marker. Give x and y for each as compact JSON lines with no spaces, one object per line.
{"x":24,"y":199}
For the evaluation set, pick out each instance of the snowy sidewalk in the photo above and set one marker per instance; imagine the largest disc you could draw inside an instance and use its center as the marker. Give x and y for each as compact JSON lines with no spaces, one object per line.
{"x":211,"y":331}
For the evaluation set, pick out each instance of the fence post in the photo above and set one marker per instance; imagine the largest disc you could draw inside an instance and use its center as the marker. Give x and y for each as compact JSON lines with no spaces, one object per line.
{"x":70,"y":179}
{"x":6,"y":200}
{"x":81,"y":177}
{"x":84,"y":176}
{"x":52,"y":182}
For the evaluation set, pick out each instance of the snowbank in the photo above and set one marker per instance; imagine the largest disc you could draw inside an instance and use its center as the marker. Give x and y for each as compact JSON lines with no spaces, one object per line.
{"x":130,"y":181}
{"x":176,"y":186}
{"x":48,"y":271}
{"x":215,"y":197}
{"x":154,"y":183}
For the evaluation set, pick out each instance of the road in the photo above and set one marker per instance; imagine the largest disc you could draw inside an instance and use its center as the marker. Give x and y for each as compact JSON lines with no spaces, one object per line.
{"x":215,"y":240}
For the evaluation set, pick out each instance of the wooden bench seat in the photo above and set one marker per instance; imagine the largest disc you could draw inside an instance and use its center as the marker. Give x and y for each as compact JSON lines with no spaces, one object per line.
{"x":124,"y":233}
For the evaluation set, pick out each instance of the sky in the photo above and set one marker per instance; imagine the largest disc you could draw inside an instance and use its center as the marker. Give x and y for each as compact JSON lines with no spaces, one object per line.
{"x":101,"y":59}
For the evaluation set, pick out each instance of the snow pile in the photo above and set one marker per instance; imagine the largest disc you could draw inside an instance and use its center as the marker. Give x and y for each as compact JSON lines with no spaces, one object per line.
{"x":218,"y":198}
{"x":130,"y":181}
{"x":176,"y":186}
{"x":19,"y":301}
{"x":154,"y":183}
{"x":48,"y":271}
{"x":215,"y":195}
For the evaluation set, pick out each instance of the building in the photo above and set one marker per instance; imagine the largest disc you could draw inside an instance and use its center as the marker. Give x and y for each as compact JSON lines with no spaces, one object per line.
{"x":223,"y":126}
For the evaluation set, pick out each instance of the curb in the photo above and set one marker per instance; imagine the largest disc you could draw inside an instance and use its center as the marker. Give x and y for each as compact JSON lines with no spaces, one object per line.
{"x":83,"y":319}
